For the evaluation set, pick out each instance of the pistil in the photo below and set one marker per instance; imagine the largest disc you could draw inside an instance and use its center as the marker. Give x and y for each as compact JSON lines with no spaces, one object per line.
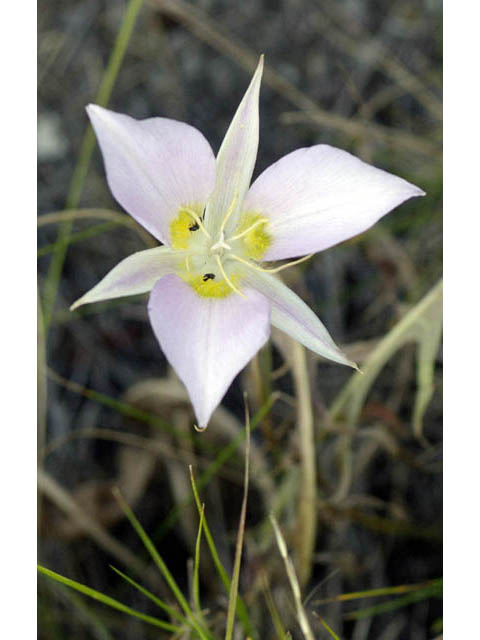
{"x":221,"y":244}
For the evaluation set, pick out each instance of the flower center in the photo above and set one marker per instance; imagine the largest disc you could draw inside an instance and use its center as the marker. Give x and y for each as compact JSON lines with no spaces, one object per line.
{"x":213,"y":266}
{"x":220,"y":246}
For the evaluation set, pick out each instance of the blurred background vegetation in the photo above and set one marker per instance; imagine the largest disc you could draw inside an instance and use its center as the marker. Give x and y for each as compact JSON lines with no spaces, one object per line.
{"x":350,"y":465}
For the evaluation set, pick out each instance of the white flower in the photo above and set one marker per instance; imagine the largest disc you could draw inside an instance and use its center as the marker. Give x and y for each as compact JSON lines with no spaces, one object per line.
{"x":212,"y":301}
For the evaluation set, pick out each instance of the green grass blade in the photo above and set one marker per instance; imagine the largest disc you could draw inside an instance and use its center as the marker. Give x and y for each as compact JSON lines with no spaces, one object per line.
{"x":232,"y":601}
{"x":165,"y":607}
{"x":169,"y":579}
{"x":224,"y":577}
{"x":83,"y":162}
{"x":292,"y":578}
{"x":328,"y":628}
{"x":433,"y":590}
{"x":196,"y":566}
{"x":211,"y":544}
{"x":110,"y":602}
{"x":382,"y":591}
{"x":272,"y":609}
{"x":225,"y":454}
{"x":90,"y":232}
{"x":88,"y":617}
{"x":123,"y":408}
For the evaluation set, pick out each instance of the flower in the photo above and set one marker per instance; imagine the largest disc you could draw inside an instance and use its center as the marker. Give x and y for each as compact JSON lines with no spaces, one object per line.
{"x":212,"y":302}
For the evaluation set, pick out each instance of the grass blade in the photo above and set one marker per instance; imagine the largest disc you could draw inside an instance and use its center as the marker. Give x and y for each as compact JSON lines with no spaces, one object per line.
{"x":328,"y":628}
{"x":307,"y":497}
{"x":292,"y":576}
{"x":169,"y":579}
{"x":83,"y":162}
{"x":382,"y":591}
{"x":165,"y":607}
{"x":88,"y":616}
{"x":241,"y":609}
{"x":272,"y":609}
{"x":90,"y":232}
{"x":123,"y":408}
{"x":232,"y":602}
{"x":196,"y":566}
{"x":122,"y":219}
{"x":225,"y":454}
{"x":434,"y":590}
{"x":110,"y":602}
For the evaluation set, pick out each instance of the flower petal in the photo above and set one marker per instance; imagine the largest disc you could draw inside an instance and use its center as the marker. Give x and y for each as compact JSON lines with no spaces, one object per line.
{"x":207,"y":341}
{"x":290,"y":314}
{"x":154,"y":166}
{"x":236,"y":159}
{"x":136,"y":274}
{"x":319,"y":196}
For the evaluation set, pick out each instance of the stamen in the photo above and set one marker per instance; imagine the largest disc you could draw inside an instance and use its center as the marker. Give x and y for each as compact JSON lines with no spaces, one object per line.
{"x":227,"y":279}
{"x":250,"y":228}
{"x":229,"y":212}
{"x":290,"y":264}
{"x":197,"y":219}
{"x":276,"y":269}
{"x":187,"y":263}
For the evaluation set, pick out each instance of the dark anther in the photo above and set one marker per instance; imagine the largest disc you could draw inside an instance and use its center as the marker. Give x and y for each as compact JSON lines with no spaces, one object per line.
{"x":208,"y":276}
{"x":194,"y":227}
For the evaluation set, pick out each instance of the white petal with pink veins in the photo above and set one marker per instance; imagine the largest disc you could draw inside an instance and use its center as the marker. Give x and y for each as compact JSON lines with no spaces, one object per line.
{"x":207,"y":340}
{"x":135,"y":274}
{"x":290,"y":314}
{"x":236,"y":159}
{"x":154,"y":166}
{"x":319,"y":196}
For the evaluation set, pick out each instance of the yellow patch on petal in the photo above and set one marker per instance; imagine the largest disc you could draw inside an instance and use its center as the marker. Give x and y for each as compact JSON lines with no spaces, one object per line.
{"x":257,"y":240}
{"x":182,"y":227}
{"x":212,"y":288}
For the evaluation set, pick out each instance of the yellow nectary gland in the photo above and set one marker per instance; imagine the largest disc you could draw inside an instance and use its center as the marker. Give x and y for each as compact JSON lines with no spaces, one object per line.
{"x":251,"y":233}
{"x":212,"y":288}
{"x":256,"y":241}
{"x":182,"y":226}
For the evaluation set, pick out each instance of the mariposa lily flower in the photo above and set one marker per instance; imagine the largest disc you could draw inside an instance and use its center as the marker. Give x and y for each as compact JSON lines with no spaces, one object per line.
{"x":212,"y":298}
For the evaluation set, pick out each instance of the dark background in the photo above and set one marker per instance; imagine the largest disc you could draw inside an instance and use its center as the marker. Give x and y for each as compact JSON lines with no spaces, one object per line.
{"x":361,"y":75}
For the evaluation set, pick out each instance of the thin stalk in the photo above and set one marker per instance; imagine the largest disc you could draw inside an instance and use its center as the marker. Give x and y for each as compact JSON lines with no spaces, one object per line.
{"x":196,"y":566}
{"x":232,"y":602}
{"x":83,"y":162}
{"x":292,"y":577}
{"x":306,"y":517}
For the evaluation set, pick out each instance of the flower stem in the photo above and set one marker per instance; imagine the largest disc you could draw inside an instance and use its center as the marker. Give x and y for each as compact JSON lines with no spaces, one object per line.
{"x":306,"y":516}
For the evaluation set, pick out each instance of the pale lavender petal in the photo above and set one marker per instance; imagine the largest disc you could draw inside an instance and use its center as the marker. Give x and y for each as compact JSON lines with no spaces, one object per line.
{"x":319,"y":196}
{"x":207,"y":340}
{"x":290,"y":314}
{"x":154,"y":166}
{"x":236,"y":159}
{"x":136,"y":274}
